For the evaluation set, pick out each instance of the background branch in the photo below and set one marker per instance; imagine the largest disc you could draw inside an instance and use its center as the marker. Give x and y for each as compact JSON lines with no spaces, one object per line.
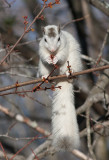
{"x":101,"y":5}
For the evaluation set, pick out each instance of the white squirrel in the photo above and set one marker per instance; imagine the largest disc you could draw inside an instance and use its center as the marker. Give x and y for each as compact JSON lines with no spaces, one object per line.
{"x":63,"y":46}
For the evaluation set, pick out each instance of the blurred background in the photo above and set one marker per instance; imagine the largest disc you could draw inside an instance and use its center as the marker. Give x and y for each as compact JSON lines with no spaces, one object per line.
{"x":22,"y":64}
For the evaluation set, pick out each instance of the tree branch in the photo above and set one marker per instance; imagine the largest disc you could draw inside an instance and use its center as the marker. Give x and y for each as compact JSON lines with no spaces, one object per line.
{"x":18,"y":157}
{"x":101,"y":84}
{"x":101,"y":5}
{"x":46,"y":149}
{"x":26,"y":120}
{"x":54,"y":78}
{"x":89,"y":133}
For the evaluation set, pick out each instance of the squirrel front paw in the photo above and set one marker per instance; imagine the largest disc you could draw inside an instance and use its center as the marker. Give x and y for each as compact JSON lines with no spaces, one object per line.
{"x":68,"y":72}
{"x":49,"y":60}
{"x":55,"y":60}
{"x":44,"y":77}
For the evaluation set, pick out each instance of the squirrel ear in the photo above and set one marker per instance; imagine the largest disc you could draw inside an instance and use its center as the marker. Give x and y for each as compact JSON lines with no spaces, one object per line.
{"x":43,"y":30}
{"x":59,"y":28}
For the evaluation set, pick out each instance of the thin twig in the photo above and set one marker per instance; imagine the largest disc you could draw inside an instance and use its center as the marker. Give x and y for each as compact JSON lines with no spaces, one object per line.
{"x":19,"y":139}
{"x":88,"y":133}
{"x":34,"y":155}
{"x":103,"y":45}
{"x":93,"y":60}
{"x":26,"y":120}
{"x":9,"y":5}
{"x":75,"y":20}
{"x":3,"y":151}
{"x":25,"y":31}
{"x":23,"y":147}
{"x":16,"y":74}
{"x":18,"y":157}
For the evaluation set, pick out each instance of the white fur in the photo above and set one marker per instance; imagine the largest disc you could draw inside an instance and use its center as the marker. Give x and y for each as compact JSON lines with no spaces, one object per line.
{"x":64,"y":123}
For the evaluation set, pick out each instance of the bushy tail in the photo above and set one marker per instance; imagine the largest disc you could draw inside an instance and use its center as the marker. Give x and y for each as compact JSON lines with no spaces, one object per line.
{"x":64,"y":123}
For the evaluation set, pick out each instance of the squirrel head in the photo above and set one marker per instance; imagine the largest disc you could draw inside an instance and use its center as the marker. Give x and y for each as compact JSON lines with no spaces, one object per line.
{"x":52,"y":38}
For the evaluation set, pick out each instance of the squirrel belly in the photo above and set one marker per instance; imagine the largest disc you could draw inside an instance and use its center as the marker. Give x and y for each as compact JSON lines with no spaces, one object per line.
{"x":64,"y":123}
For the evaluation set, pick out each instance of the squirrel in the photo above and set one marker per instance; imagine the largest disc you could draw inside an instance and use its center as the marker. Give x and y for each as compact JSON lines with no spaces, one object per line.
{"x":64,"y":48}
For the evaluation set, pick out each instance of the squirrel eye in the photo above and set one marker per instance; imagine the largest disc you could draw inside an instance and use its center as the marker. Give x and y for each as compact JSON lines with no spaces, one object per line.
{"x":45,"y":40}
{"x":59,"y":39}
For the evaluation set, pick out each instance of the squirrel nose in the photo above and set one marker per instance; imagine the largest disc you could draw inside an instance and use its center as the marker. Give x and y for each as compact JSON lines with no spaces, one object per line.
{"x":52,"y":50}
